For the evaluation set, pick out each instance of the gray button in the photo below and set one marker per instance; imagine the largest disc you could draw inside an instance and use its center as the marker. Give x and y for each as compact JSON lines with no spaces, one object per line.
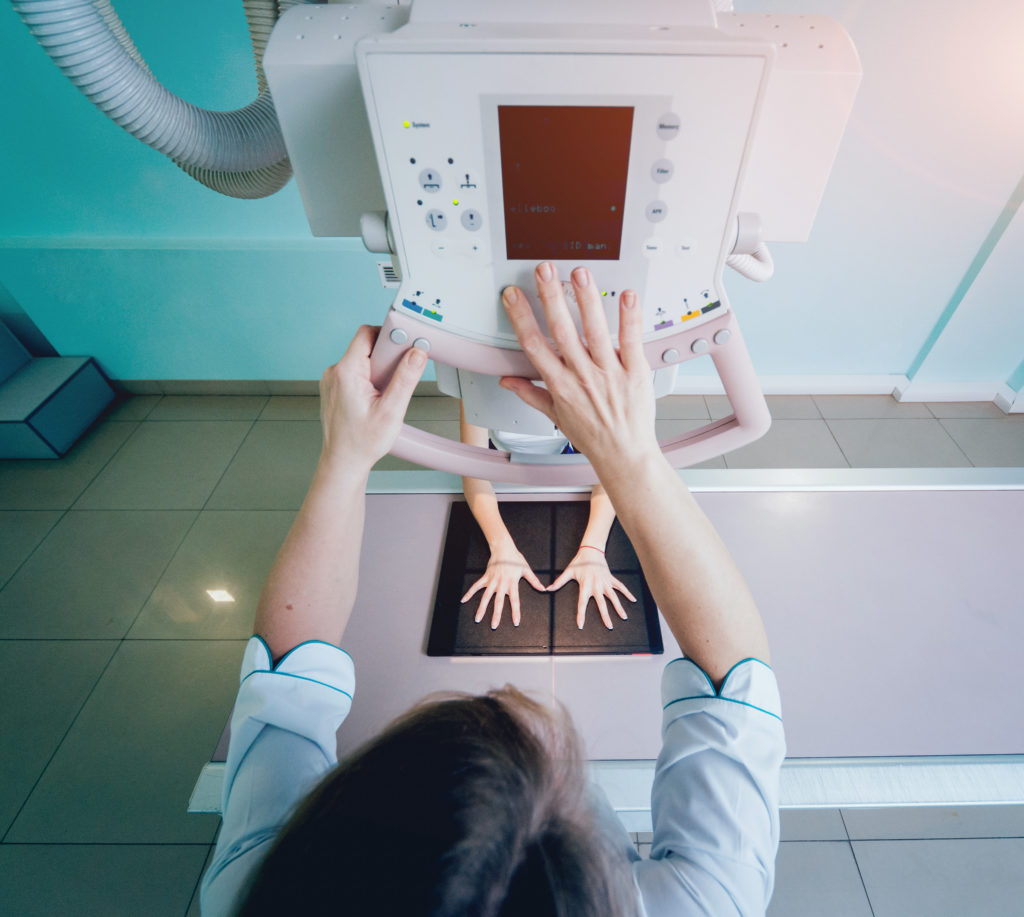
{"x":422,"y":344}
{"x":657,"y":211}
{"x":430,"y":181}
{"x":662,"y":171}
{"x":700,"y":346}
{"x":398,"y":336}
{"x":436,"y":220}
{"x":472,"y":220}
{"x":668,"y":126}
{"x":722,"y":337}
{"x":670,"y":356}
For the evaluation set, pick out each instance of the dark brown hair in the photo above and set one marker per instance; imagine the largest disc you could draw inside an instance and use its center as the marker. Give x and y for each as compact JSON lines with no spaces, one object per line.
{"x":464,"y":806}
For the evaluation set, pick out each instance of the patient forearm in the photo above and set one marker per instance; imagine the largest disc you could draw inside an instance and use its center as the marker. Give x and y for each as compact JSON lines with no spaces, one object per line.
{"x":483,"y":504}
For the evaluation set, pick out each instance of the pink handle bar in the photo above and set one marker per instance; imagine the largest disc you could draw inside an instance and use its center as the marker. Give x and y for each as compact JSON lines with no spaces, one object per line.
{"x":750,"y":421}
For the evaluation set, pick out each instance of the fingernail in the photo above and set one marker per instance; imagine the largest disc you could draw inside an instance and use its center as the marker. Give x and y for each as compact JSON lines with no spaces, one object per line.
{"x":418,"y":358}
{"x":546,"y":271}
{"x":629,"y":300}
{"x":582,"y":276}
{"x":510,"y":295}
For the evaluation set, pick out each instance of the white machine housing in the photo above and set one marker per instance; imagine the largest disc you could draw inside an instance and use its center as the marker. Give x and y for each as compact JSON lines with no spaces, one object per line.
{"x":506,"y":136}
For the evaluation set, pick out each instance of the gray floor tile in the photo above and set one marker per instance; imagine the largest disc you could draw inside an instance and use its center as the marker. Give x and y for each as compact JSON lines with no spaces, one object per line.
{"x":294,"y":387}
{"x":126,"y":769}
{"x":193,"y":908}
{"x":989,"y":443}
{"x":209,"y":407}
{"x":112,"y":881}
{"x":20,"y":534}
{"x":215,"y":387}
{"x":868,"y":407}
{"x":897,"y":444}
{"x":57,"y":484}
{"x":171,"y":465}
{"x":791,"y":444}
{"x":975,"y":410}
{"x":449,"y":429}
{"x":812,"y":825}
{"x":272,"y":469}
{"x":719,"y":406}
{"x":793,"y":407}
{"x":682,"y":407}
{"x":39,"y":709}
{"x":230,"y":550}
{"x":282,"y":407}
{"x":782,"y":407}
{"x":442,"y":408}
{"x":135,"y":407}
{"x":92,"y":574}
{"x":816,"y":878}
{"x":949,"y":878}
{"x":923,"y":822}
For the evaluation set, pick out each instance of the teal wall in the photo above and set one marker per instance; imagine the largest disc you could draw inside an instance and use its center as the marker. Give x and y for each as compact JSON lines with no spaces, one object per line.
{"x":113,"y":251}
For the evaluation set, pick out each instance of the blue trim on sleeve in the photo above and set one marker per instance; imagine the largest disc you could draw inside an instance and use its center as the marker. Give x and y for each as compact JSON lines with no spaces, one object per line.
{"x":729,"y":699}
{"x":738,"y":664}
{"x":711,"y":684}
{"x":299,"y":677}
{"x":305,"y":643}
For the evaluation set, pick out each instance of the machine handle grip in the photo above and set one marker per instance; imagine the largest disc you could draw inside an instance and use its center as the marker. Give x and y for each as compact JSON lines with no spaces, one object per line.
{"x":749,"y":422}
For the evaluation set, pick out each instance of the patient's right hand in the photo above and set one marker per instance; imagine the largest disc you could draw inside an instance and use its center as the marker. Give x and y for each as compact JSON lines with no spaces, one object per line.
{"x":504,"y":570}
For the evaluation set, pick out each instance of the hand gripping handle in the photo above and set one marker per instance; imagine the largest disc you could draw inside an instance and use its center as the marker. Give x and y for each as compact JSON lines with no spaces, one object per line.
{"x":724,"y":344}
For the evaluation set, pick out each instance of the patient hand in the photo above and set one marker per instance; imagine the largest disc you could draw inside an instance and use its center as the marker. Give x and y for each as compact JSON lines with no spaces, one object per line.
{"x":504,"y":570}
{"x":590,"y":570}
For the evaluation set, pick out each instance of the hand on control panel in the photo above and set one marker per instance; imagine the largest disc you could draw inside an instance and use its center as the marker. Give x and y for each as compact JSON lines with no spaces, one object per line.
{"x":602,"y":400}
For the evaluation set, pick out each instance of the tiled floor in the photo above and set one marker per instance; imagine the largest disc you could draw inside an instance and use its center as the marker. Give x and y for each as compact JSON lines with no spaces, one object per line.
{"x":118,"y":681}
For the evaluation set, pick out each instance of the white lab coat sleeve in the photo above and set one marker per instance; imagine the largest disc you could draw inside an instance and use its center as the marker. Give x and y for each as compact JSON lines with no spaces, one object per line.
{"x":715,"y":798}
{"x":283,"y":741}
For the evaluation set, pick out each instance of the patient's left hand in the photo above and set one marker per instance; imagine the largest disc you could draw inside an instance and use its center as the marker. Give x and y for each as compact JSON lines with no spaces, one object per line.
{"x":590,"y":570}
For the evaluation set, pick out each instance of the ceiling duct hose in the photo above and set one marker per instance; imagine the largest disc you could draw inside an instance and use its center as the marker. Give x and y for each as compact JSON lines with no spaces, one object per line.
{"x":240,"y":153}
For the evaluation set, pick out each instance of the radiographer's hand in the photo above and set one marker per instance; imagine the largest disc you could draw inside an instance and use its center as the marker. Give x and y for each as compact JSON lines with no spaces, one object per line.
{"x":361,"y":424}
{"x":602,"y":400}
{"x":504,"y":570}
{"x":590,"y":569}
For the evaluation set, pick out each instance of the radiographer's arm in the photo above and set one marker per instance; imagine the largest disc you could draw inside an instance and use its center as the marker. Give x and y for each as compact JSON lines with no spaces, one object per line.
{"x":715,"y":797}
{"x":693,"y":578}
{"x":312,"y":586}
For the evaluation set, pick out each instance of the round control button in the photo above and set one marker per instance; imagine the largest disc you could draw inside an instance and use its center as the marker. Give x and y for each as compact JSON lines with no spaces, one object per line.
{"x":441,"y":247}
{"x":670,"y":356}
{"x":722,"y":337}
{"x":657,"y":211}
{"x":653,"y":247}
{"x":437,"y":221}
{"x":700,"y":346}
{"x":668,"y":126}
{"x":430,"y":181}
{"x":685,"y":248}
{"x":422,"y":344}
{"x":398,"y":336}
{"x":472,"y":220}
{"x":662,"y":171}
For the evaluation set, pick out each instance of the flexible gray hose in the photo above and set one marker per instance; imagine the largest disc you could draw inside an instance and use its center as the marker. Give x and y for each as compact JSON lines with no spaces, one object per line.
{"x":94,"y":52}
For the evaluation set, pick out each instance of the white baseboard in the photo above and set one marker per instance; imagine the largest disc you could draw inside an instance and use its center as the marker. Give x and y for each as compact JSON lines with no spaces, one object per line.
{"x":1008,"y":401}
{"x":880,"y":384}
{"x":948,"y":391}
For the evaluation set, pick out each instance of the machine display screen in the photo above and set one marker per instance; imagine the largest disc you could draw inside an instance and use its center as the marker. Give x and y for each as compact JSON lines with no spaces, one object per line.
{"x":563,"y":172}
